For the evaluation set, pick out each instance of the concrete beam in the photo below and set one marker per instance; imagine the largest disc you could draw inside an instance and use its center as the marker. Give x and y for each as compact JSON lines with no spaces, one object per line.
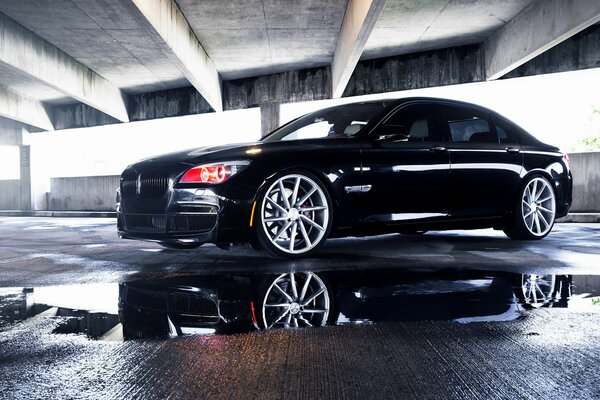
{"x":285,"y":87}
{"x":539,"y":27}
{"x":169,"y":28}
{"x":451,"y":66}
{"x":27,"y":53}
{"x":142,"y":107}
{"x":69,"y":116}
{"x":19,"y":108}
{"x":581,"y":51}
{"x":167,"y":103}
{"x":359,"y":21}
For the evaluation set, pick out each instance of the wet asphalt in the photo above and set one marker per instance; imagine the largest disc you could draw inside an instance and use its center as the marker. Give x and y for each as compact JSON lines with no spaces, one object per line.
{"x":549,"y":352}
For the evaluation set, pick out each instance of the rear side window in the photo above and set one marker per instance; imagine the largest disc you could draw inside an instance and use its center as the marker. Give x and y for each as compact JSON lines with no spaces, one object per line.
{"x":468,"y":125}
{"x":506,"y":133}
{"x":413,"y":123}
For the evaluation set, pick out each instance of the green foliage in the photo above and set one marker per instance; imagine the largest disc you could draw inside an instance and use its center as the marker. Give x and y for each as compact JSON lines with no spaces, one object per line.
{"x":591,"y":141}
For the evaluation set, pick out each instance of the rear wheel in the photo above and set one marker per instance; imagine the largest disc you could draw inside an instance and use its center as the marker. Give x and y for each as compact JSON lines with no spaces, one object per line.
{"x":294,"y":216}
{"x":534,"y":212}
{"x":537,"y":290}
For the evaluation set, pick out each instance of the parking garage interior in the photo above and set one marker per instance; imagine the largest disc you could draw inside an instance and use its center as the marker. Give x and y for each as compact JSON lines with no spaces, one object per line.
{"x":88,"y":87}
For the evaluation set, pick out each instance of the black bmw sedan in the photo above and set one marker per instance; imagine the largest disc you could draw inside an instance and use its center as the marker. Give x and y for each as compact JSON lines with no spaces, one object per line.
{"x":407,"y":166}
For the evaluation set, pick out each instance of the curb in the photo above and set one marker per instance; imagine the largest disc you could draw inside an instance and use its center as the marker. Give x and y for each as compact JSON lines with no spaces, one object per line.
{"x":580,"y":218}
{"x":75,"y":214}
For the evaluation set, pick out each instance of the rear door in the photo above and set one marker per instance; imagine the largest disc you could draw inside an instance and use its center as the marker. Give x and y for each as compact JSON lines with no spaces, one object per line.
{"x":485,"y":161}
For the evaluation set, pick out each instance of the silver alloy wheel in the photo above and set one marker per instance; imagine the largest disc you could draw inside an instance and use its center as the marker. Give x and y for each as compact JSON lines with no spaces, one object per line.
{"x":537,"y":289}
{"x":538,"y":206}
{"x":296,"y":300}
{"x":295,"y":214}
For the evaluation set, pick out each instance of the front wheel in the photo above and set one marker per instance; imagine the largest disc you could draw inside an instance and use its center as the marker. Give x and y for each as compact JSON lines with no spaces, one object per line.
{"x":534,"y":212}
{"x":294,"y":216}
{"x":295,"y":300}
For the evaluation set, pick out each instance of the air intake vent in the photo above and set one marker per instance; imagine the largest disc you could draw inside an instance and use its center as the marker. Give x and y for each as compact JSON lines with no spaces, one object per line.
{"x":192,"y":223}
{"x":161,"y":223}
{"x":146,"y":223}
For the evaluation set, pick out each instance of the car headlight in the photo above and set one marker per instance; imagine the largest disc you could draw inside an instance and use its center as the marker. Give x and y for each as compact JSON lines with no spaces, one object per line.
{"x":217,"y":172}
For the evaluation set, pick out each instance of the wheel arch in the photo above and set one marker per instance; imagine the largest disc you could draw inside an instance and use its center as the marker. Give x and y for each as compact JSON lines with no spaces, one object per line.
{"x":320,"y":175}
{"x":537,"y":171}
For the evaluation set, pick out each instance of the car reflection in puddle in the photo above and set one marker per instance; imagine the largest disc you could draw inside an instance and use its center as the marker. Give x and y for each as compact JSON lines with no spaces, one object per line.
{"x":232,"y":303}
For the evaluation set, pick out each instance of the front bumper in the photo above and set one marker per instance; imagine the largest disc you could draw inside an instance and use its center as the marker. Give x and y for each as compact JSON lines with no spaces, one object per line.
{"x":190,"y":216}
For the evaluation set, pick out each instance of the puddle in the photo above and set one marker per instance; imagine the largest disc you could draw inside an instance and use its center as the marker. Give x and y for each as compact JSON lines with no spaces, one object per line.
{"x":228,"y":303}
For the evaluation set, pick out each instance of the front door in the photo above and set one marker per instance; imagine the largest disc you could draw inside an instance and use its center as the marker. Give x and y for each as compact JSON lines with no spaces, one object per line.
{"x":405,"y":168}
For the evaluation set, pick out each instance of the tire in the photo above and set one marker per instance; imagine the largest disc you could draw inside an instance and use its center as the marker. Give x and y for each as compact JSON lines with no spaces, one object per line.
{"x":534,"y":210}
{"x":294,"y":300}
{"x":180,"y":246}
{"x":298,"y":223}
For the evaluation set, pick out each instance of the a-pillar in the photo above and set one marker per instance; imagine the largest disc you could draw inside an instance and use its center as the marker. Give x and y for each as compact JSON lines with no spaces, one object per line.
{"x":269,"y":117}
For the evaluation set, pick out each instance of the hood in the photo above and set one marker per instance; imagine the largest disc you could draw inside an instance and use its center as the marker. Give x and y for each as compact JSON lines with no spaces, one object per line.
{"x":201,"y":154}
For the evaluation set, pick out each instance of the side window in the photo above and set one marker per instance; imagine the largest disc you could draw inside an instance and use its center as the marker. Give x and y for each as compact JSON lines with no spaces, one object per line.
{"x":468,"y":125}
{"x":413,"y":123}
{"x":506,"y":133}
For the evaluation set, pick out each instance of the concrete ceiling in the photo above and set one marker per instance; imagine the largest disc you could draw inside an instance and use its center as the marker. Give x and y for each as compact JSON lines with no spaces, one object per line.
{"x":110,"y":49}
{"x":102,"y":35}
{"x":257,"y":37}
{"x":242,"y":37}
{"x":408,"y":26}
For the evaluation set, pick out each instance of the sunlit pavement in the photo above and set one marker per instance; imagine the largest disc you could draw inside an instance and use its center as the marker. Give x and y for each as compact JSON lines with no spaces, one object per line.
{"x":549,"y":353}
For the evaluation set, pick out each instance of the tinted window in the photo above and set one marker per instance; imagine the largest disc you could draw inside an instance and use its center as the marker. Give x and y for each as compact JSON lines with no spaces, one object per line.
{"x":341,"y":121}
{"x":468,"y":125}
{"x":412,"y":124}
{"x":506,"y":133}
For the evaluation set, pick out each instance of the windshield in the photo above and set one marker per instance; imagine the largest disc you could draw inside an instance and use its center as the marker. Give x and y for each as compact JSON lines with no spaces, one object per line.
{"x":335,"y":122}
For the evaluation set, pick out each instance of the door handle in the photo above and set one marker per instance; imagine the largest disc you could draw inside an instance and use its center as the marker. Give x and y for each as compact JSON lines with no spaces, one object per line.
{"x":438,"y":148}
{"x":513,"y":150}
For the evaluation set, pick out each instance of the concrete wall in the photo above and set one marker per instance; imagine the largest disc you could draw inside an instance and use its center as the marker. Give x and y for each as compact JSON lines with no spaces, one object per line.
{"x":586,"y":182}
{"x":10,"y":194}
{"x":88,"y":193}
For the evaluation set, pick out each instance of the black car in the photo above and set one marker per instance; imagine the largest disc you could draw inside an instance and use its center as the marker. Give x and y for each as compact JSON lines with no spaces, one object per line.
{"x":407,"y":165}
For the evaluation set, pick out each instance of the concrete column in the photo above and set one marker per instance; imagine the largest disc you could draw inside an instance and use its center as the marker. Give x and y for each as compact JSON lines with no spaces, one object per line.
{"x":14,"y":133}
{"x":359,"y":21}
{"x":269,"y":117}
{"x":25,"y":181}
{"x":11,"y":132}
